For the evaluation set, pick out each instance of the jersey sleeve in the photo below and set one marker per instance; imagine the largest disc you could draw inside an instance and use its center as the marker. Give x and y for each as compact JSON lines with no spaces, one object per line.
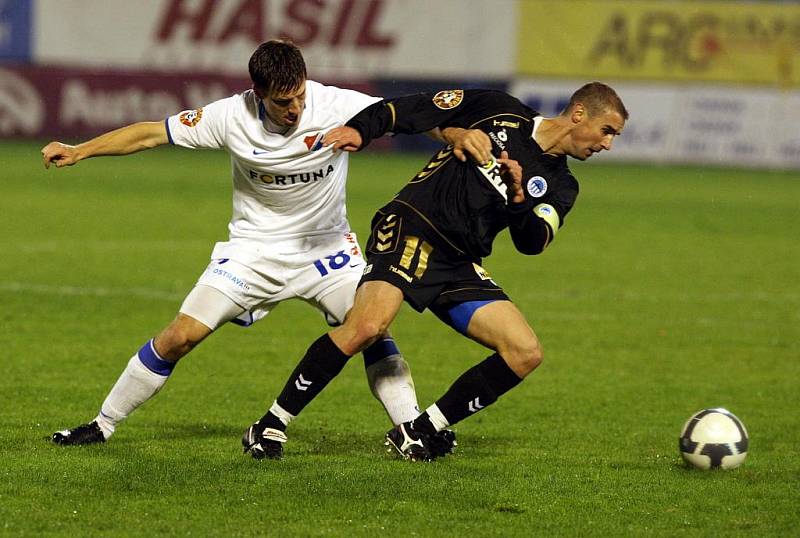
{"x":204,"y":127}
{"x":534,"y":222}
{"x":422,"y":112}
{"x":348,"y":103}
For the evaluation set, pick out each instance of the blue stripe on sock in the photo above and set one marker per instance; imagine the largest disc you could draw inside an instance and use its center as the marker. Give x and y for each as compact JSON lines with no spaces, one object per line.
{"x":380,"y":350}
{"x":149,"y":357}
{"x":462,"y":313}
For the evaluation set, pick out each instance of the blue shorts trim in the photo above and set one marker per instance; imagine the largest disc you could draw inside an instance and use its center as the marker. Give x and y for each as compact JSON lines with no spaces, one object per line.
{"x":461,"y":314}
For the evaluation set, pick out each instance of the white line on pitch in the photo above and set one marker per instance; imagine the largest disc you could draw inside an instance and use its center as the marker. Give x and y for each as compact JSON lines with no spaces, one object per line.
{"x":46,"y":289}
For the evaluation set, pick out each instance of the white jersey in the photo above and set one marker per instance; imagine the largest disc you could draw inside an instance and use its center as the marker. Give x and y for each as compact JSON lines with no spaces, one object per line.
{"x":288,"y":191}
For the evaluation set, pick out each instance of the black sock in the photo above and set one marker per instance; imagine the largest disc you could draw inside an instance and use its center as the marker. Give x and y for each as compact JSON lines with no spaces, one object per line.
{"x":322,"y":362}
{"x":478,"y":387}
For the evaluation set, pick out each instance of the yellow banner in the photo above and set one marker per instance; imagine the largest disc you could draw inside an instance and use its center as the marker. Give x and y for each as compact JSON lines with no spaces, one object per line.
{"x":757,"y":43}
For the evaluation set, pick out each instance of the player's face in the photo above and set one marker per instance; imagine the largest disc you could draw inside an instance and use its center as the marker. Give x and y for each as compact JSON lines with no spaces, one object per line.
{"x":595,"y":133}
{"x":286,"y":108}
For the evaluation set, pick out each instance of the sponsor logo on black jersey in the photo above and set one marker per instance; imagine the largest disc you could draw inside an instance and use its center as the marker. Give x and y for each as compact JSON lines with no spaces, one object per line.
{"x":509,"y":124}
{"x":499,"y":138}
{"x":447,"y":99}
{"x":537,"y":186}
{"x":491,"y":171}
{"x":402,"y":274}
{"x":292,"y":179}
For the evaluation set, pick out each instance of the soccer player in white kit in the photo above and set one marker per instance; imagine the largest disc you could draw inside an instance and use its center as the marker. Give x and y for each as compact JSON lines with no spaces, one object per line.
{"x":289,"y":235}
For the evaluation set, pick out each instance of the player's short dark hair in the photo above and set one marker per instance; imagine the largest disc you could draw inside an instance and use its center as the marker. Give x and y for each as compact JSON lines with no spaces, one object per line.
{"x":597,"y":98}
{"x":277,"y":66}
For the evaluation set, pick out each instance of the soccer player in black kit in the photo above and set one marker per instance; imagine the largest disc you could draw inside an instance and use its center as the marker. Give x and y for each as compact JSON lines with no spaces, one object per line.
{"x":427,"y":244}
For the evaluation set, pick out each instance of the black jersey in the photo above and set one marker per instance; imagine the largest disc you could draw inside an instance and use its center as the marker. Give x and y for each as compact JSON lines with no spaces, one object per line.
{"x":466,"y":203}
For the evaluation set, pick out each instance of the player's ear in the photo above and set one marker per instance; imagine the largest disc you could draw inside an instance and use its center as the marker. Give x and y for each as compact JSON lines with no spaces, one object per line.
{"x":578,"y":113}
{"x":259,"y":92}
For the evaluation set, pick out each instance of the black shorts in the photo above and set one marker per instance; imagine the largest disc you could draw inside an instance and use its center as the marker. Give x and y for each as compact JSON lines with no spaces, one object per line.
{"x":406,"y":252}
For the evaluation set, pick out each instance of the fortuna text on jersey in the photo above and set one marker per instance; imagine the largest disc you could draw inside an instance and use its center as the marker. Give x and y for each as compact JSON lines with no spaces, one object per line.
{"x":292,"y":179}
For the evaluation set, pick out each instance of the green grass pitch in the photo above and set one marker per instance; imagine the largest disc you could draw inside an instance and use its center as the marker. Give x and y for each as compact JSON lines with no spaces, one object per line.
{"x":670,"y":289}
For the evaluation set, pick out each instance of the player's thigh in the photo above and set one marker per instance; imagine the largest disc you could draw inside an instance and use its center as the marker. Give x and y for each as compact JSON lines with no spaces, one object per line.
{"x":257,"y":290}
{"x":329,"y":280}
{"x":337,"y":302}
{"x":500,"y":326}
{"x":208,"y":307}
{"x":203,"y":310}
{"x":375,"y":306}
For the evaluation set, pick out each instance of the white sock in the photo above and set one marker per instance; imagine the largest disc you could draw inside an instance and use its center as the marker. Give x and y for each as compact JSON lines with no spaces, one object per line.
{"x":283,"y":415}
{"x":437,"y":418}
{"x":391,"y":383}
{"x":135,"y":385}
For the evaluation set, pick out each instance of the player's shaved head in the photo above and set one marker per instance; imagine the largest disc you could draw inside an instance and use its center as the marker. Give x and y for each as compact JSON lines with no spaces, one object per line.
{"x":597,"y":98}
{"x":277,"y":66}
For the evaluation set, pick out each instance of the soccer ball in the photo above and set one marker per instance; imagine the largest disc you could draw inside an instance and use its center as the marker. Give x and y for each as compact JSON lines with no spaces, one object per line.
{"x":714,"y":439}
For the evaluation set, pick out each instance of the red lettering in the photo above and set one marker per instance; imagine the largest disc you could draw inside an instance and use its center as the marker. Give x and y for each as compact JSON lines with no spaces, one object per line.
{"x":367,"y":34}
{"x":178,"y":14}
{"x":305,"y":13}
{"x":335,"y":23}
{"x":702,"y":43}
{"x":246,"y":21}
{"x":341,"y":22}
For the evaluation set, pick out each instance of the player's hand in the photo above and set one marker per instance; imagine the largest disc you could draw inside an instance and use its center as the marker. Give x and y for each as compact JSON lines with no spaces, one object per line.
{"x":59,"y":154}
{"x":344,"y":138}
{"x":511,"y":172}
{"x":472,"y":142}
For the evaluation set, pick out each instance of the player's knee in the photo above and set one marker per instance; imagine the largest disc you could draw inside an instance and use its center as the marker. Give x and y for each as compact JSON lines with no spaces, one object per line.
{"x":358,"y":334}
{"x":526,"y":357}
{"x":368,"y":331}
{"x":179,"y":339}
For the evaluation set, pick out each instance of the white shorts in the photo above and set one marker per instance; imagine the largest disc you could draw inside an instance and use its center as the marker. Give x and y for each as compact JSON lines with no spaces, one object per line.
{"x":327,"y":278}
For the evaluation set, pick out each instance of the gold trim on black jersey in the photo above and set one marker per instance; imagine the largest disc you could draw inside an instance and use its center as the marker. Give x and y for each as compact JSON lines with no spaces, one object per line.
{"x":394,"y":115}
{"x":433,"y":165}
{"x":498,"y":288}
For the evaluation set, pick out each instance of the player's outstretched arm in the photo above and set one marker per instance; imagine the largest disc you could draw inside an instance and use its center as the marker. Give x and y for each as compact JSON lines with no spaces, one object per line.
{"x":129,"y":139}
{"x":344,"y":138}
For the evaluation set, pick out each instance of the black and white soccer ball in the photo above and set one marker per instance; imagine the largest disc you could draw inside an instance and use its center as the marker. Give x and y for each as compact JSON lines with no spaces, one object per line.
{"x":714,"y":439}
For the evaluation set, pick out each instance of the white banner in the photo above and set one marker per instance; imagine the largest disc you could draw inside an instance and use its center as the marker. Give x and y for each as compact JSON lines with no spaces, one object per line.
{"x":719,"y":125}
{"x":339,"y":38}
